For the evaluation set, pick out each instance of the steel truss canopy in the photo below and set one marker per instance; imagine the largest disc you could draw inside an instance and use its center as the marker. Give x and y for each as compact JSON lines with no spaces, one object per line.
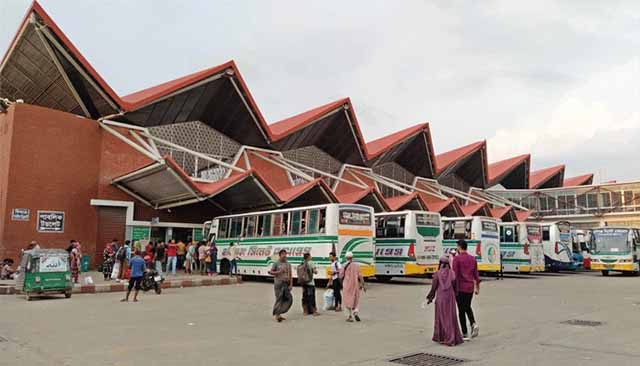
{"x":581,"y":180}
{"x":467,"y":162}
{"x":411,"y":148}
{"x":332,"y":128}
{"x":512,"y":173}
{"x":552,"y":177}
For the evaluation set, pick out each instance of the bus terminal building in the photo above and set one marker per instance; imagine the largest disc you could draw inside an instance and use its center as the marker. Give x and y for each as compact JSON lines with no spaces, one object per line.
{"x":78,"y":161}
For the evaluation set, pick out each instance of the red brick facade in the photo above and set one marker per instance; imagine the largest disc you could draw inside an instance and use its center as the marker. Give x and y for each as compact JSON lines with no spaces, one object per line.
{"x":52,"y":160}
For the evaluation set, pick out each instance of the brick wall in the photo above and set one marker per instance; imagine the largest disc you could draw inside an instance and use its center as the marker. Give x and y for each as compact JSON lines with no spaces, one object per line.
{"x":53,"y":165}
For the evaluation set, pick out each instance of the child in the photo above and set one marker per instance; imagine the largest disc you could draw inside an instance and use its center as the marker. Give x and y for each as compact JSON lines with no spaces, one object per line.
{"x":446,"y":329}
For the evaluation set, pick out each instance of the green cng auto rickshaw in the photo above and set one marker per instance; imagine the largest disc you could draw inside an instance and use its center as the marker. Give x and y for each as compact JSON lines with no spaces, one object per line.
{"x":43,"y":272}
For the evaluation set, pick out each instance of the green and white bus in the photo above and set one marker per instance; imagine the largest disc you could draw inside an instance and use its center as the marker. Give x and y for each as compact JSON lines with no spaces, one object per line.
{"x":615,"y":249}
{"x":482,"y":236}
{"x":521,"y":247}
{"x":317,"y":230}
{"x":408,"y":243}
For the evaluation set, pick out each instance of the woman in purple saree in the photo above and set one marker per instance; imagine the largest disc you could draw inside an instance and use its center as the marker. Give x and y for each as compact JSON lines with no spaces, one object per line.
{"x":446,"y":329}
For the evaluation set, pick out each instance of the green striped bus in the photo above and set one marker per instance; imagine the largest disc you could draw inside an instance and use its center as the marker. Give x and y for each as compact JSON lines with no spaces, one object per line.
{"x":408,"y":243}
{"x":318,"y":230}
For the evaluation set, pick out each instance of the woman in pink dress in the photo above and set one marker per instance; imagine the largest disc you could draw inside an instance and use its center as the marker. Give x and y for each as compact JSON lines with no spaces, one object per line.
{"x":352,"y":283}
{"x":446,"y":329}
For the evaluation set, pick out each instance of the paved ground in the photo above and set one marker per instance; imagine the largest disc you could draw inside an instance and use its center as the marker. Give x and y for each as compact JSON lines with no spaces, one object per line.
{"x":230,"y":325}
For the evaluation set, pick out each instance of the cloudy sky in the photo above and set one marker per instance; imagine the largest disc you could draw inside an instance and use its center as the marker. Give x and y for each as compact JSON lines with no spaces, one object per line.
{"x":558,"y":79}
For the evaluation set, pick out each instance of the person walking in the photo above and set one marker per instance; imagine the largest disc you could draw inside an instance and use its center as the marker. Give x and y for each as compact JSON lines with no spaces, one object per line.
{"x":74,"y":260}
{"x":135,"y":280}
{"x":172,"y":257}
{"x":202,"y":257}
{"x":107,"y":261}
{"x":158,"y":257}
{"x":352,"y":283}
{"x":233,"y":254}
{"x":282,"y":285}
{"x":334,"y":280}
{"x":123,"y":256}
{"x":465,"y":268}
{"x":305,"y":275}
{"x":115,"y":272}
{"x":443,"y":288}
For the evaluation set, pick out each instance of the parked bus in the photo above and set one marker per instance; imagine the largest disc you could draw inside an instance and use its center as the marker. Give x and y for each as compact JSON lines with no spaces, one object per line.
{"x":615,"y":249}
{"x":580,"y":248}
{"x":521,"y":247}
{"x":482,"y":236}
{"x":317,"y":230}
{"x":556,"y":241}
{"x":408,"y":243}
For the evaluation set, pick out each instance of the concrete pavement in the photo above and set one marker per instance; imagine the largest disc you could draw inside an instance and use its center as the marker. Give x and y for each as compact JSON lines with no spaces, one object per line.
{"x":520,"y":320}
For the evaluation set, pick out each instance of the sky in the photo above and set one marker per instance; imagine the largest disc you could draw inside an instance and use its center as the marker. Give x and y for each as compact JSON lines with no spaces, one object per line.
{"x":557,"y":79}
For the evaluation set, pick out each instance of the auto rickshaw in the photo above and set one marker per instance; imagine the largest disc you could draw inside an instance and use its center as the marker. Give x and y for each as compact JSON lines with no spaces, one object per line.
{"x":44,"y":272}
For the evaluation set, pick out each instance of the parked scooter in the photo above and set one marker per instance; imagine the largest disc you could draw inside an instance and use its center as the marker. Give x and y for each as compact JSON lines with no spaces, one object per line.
{"x":151,"y":280}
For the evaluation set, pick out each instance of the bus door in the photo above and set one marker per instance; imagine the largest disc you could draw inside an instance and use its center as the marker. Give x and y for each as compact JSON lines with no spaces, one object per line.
{"x":511,"y":250}
{"x":536,"y":252}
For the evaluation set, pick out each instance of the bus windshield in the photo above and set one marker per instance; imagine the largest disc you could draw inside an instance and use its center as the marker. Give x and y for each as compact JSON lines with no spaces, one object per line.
{"x":611,"y":240}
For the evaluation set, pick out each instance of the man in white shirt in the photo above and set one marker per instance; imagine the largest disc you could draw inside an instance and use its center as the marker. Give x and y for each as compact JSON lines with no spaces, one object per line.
{"x":335,"y":284}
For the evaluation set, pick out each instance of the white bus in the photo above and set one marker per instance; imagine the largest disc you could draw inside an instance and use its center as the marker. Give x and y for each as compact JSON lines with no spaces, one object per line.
{"x":615,"y":249}
{"x":408,"y":243}
{"x":482,"y":236}
{"x":557,"y":245}
{"x":318,"y":230}
{"x":521,"y":247}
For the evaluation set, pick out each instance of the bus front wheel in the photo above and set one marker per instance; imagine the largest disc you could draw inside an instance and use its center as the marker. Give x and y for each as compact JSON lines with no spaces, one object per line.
{"x":605,"y":273}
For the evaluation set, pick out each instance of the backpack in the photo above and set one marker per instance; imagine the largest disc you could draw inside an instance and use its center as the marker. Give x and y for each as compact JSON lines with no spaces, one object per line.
{"x":303,"y":273}
{"x":121,"y":254}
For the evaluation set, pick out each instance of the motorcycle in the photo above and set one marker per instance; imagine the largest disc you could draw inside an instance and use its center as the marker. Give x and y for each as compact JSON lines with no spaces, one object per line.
{"x":151,"y":280}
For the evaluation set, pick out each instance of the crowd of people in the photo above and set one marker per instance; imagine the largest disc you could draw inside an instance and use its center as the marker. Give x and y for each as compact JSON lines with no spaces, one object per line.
{"x":345,"y":280}
{"x":453,"y":286}
{"x":166,"y":258}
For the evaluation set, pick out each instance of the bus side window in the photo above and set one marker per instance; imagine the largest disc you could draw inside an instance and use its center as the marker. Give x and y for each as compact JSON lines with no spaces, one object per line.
{"x":312,"y":228}
{"x":379,"y":227}
{"x":236,"y":227}
{"x":448,"y":230}
{"x":285,"y":223}
{"x":277,"y":224}
{"x":323,"y":223}
{"x":467,"y":230}
{"x":264,"y":225}
{"x":545,"y":233}
{"x":303,"y":222}
{"x":223,"y":228}
{"x":249,"y":226}
{"x":502,"y":228}
{"x":295,"y":222}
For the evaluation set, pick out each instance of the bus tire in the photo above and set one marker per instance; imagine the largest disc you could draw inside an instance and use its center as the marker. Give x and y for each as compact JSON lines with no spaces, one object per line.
{"x":67,"y":294}
{"x":384,"y":279}
{"x":605,"y":273}
{"x":225,"y":266}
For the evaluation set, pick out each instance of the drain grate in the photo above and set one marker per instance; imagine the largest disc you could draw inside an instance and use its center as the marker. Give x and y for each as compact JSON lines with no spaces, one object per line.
{"x":427,"y":359}
{"x":583,"y":323}
{"x":3,"y":339}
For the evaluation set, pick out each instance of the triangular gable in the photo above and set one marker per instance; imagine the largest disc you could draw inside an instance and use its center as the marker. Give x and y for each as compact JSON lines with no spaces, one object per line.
{"x":217,"y":96}
{"x":523,"y":216}
{"x":411,"y":201}
{"x":468,"y":162}
{"x":547,"y":178}
{"x":332,"y":128}
{"x":581,"y":180}
{"x":506,"y":214}
{"x":477,"y":209}
{"x":512,"y":173}
{"x":411,"y":148}
{"x":42,"y":67}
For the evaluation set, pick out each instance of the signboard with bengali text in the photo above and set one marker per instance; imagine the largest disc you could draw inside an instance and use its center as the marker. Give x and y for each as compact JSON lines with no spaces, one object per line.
{"x":50,"y":222}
